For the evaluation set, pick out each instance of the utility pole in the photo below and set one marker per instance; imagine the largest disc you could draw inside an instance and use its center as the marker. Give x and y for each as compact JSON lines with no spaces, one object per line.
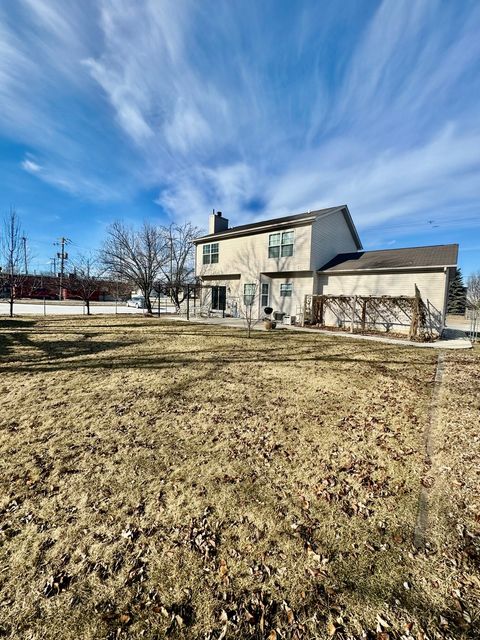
{"x":24,"y":240}
{"x":63,"y":257}
{"x":54,"y":264}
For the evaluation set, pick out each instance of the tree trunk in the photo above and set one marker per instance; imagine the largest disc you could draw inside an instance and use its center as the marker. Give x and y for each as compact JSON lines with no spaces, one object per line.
{"x":87,"y":303}
{"x":11,"y":306}
{"x":178,"y":301}
{"x":249,"y":322}
{"x":364,"y":314}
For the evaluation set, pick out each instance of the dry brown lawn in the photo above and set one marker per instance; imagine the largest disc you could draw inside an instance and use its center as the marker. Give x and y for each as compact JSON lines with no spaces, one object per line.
{"x":163,"y":479}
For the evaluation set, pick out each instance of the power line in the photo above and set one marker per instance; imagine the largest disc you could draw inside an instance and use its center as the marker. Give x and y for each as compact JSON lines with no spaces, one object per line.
{"x":428,"y":224}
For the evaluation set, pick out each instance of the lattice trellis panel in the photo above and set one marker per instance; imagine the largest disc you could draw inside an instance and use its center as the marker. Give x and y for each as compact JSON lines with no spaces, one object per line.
{"x":370,"y":312}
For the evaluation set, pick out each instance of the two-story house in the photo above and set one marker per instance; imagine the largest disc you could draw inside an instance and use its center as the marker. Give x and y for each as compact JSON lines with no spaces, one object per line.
{"x":277,"y":262}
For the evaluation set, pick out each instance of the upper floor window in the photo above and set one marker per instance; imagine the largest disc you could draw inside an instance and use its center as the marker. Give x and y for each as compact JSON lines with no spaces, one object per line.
{"x":280,"y":244}
{"x":210,"y":253}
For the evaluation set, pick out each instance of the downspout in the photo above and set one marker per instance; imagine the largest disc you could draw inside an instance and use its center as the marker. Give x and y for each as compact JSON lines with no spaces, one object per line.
{"x":445,"y":296}
{"x":259,"y":301}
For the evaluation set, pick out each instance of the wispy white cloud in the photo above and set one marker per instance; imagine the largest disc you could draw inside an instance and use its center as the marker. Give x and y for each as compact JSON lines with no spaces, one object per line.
{"x":46,"y":96}
{"x":126,"y":101}
{"x":395,"y":145}
{"x":31,"y":166}
{"x":145,"y":70}
{"x":390,"y":184}
{"x":70,"y":180}
{"x":192,"y":193}
{"x":254,"y":109}
{"x":187,"y":129}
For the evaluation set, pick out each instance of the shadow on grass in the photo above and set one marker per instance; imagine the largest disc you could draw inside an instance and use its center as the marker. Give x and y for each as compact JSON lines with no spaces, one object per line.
{"x":66,"y":357}
{"x":51,"y":355}
{"x":7,"y":341}
{"x":385,"y":595}
{"x":13,"y":323}
{"x":34,"y":350}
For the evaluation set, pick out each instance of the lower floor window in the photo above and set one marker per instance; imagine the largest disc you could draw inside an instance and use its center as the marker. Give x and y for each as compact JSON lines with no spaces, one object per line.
{"x":286,"y":290}
{"x":248,"y":294}
{"x":265,"y":295}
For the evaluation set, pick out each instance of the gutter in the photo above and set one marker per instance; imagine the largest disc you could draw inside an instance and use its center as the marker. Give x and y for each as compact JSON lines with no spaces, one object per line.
{"x":387,"y":269}
{"x":232,"y":233}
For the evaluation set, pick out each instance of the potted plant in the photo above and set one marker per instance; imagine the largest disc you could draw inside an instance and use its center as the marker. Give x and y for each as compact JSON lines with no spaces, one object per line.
{"x":268,"y":322}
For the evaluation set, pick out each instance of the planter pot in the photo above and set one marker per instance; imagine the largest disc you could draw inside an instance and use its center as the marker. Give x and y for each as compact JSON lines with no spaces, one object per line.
{"x":270,"y":324}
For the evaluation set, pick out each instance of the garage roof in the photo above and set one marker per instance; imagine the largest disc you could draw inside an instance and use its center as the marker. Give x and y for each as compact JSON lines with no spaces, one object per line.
{"x":441,"y":255}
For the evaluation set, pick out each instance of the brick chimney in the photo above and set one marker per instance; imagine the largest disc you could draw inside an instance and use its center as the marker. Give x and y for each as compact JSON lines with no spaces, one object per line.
{"x":217,"y":222}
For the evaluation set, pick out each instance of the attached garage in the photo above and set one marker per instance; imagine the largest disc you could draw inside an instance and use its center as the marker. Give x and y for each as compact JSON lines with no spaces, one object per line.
{"x":393,"y":272}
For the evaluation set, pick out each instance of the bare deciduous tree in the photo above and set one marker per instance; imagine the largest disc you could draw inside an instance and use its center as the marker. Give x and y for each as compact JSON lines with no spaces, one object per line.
{"x":473,"y":290}
{"x":248,"y":307}
{"x":85,"y":280}
{"x":135,"y":255}
{"x":178,"y":268}
{"x":11,"y":248}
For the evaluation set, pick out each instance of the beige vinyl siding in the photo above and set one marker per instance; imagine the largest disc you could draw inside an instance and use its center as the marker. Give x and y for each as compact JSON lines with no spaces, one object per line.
{"x":331,"y":235}
{"x":302,"y":285}
{"x":431,"y":284}
{"x":233,"y":290}
{"x":248,"y":255}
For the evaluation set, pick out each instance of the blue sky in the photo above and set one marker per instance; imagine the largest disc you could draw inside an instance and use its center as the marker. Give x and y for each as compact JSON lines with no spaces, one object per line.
{"x":166,"y":109}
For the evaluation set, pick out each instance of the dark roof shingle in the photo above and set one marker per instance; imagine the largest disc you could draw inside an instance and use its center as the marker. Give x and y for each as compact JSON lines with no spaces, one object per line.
{"x":408,"y":258}
{"x":272,"y":222}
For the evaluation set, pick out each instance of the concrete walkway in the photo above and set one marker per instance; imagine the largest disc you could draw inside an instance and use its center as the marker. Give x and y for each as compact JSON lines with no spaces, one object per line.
{"x":451,"y":338}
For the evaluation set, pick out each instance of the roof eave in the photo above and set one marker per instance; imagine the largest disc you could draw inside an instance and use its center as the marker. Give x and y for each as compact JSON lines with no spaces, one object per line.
{"x":352,"y":227}
{"x":248,"y":232}
{"x":430,"y":267}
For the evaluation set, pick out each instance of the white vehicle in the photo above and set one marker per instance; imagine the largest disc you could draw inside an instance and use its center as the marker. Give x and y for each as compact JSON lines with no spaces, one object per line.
{"x":136,"y":301}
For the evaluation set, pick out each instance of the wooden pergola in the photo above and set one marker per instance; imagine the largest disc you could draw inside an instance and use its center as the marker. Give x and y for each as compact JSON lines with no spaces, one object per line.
{"x":369,"y":312}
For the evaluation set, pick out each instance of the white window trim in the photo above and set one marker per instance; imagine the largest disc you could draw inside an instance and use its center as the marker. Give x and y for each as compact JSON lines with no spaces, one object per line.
{"x":286,"y":284}
{"x":280,"y":245}
{"x":262,"y":295}
{"x":210,"y":253}
{"x":250,"y":295}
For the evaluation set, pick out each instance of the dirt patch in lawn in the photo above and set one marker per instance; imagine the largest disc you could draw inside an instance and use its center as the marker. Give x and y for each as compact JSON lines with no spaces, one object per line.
{"x":164,"y":479}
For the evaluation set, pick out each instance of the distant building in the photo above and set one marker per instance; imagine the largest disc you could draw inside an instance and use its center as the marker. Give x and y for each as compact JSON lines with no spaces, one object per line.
{"x":47,"y":286}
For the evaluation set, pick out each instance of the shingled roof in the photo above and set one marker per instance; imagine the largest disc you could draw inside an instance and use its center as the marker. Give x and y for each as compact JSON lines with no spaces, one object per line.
{"x":442,"y":255}
{"x":247,"y":229}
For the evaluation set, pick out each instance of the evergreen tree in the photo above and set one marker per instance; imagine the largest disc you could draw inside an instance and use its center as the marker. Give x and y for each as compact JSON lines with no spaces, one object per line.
{"x":457,"y":294}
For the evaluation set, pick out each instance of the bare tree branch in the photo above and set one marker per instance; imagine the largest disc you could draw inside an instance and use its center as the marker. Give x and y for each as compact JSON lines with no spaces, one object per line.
{"x":249,"y":304}
{"x":11,"y":252}
{"x":85,"y":280}
{"x":178,"y":267}
{"x":135,"y":256}
{"x":473,"y":290}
